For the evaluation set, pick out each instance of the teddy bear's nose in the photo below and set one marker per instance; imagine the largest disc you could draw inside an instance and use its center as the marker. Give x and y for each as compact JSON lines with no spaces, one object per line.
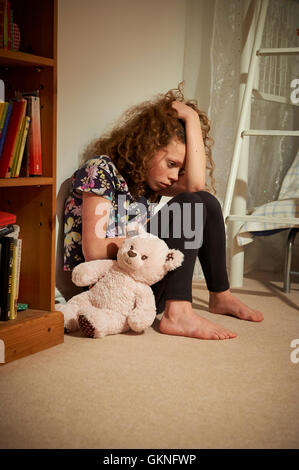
{"x":132,"y":254}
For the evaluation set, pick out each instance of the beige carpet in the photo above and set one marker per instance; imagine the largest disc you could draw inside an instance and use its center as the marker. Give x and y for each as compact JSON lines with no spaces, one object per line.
{"x":158,"y":391}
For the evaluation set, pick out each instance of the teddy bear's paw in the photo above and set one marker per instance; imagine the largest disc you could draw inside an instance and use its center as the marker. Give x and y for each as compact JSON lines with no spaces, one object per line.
{"x":70,"y":324}
{"x":86,"y":327}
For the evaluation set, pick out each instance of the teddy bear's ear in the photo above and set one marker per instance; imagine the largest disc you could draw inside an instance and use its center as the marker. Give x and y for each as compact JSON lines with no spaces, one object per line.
{"x":173,"y":260}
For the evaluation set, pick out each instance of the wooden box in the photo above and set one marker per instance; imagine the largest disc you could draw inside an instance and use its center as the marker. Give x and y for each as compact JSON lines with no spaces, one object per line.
{"x":32,"y":331}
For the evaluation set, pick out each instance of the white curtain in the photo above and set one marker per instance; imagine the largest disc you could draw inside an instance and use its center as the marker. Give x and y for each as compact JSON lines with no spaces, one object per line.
{"x":270,"y":157}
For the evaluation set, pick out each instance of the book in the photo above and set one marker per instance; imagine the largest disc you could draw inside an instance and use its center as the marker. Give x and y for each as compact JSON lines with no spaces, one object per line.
{"x":17,"y":137}
{"x":15,"y":278}
{"x":18,"y":112}
{"x":16,"y":37}
{"x":2,"y":91}
{"x":7,"y":248}
{"x":19,"y":157}
{"x":4,"y":107}
{"x":32,"y":158}
{"x":2,"y":10}
{"x":6,"y":119}
{"x":16,"y":150}
{"x":6,"y":229}
{"x":5,"y":25}
{"x":4,"y":261}
{"x":2,"y":110}
{"x":7,"y":218}
{"x":18,"y":268}
{"x":8,"y":25}
{"x":35,"y":157}
{"x":13,"y":301}
{"x":10,"y":261}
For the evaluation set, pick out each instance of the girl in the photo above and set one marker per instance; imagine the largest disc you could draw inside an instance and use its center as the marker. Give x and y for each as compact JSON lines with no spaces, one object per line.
{"x":160,"y":147}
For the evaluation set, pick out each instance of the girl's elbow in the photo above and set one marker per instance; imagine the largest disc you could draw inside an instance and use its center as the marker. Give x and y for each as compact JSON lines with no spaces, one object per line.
{"x":91,"y":251}
{"x":198,"y":187}
{"x":201,"y":186}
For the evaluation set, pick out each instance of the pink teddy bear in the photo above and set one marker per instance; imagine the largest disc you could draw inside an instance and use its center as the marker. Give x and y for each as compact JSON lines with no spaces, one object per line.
{"x":121,"y":298}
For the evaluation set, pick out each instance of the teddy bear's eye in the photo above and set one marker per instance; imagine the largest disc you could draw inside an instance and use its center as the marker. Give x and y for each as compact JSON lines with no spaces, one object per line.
{"x":144,"y":257}
{"x":131,"y":247}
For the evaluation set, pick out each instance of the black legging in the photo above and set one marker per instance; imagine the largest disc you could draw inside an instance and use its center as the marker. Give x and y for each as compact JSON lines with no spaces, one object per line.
{"x":177,"y":284}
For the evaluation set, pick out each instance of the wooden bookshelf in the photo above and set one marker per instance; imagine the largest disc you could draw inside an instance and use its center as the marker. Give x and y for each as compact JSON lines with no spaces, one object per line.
{"x":33,"y":199}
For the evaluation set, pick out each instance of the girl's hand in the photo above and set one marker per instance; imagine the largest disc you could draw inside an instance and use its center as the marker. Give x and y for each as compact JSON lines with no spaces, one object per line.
{"x":184,"y":111}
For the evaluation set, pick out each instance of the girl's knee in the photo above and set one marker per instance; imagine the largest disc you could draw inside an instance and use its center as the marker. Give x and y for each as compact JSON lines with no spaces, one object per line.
{"x":199,"y":196}
{"x":188,"y":197}
{"x":209,"y":200}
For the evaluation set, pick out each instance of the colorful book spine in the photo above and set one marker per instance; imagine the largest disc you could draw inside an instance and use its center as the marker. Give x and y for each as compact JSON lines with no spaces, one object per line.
{"x":16,"y":170}
{"x":2,"y":119}
{"x":7,"y":218}
{"x":13,"y":299}
{"x":4,"y":262}
{"x":14,"y":157}
{"x":18,"y":111}
{"x":8,"y":26}
{"x":35,"y":156}
{"x":2,"y":110}
{"x":5,"y":126}
{"x":5,"y":26}
{"x":11,"y":29}
{"x":2,"y":91}
{"x":2,"y":10}
{"x":19,"y":256}
{"x":7,"y":248}
{"x":17,"y":137}
{"x":10,"y":262}
{"x":6,"y":229}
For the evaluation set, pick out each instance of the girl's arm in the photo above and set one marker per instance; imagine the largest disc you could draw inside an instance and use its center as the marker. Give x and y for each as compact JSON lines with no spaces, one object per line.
{"x":194,"y":175}
{"x":95,"y":216}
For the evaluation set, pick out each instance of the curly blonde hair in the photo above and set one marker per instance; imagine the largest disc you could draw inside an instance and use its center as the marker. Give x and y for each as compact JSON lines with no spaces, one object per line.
{"x":143,"y":130}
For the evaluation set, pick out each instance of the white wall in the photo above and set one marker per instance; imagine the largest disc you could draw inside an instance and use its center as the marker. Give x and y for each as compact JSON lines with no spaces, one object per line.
{"x":197,"y":57}
{"x":112,"y":54}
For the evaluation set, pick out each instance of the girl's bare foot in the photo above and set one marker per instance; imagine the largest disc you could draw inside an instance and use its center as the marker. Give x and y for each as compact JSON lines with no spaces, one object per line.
{"x":180,"y":319}
{"x":224,"y":302}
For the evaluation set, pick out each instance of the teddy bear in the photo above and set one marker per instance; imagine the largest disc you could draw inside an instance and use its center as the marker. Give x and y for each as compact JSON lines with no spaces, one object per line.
{"x":120,"y":298}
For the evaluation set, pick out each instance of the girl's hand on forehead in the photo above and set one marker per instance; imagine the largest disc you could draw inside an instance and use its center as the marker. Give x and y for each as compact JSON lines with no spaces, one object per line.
{"x":184,"y":111}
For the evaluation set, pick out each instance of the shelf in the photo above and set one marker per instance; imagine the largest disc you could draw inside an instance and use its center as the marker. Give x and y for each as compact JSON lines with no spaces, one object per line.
{"x":24,"y":316}
{"x":33,"y":199}
{"x":30,"y":181}
{"x":22,"y":59}
{"x":31,"y":332}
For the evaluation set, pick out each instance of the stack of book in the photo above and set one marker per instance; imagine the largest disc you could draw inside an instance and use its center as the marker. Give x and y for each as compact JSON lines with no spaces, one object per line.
{"x":10,"y":263}
{"x":20,"y":136}
{"x":9,"y":31}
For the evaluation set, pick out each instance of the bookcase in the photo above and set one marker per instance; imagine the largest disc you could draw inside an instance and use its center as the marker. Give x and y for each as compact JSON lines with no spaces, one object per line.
{"x":33,"y":199}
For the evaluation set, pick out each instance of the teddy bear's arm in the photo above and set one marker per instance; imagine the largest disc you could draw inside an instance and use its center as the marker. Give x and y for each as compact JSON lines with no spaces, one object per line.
{"x":91,"y":271}
{"x":143,"y":315}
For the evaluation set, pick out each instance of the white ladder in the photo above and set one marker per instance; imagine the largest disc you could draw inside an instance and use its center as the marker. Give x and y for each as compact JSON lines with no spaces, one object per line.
{"x":239,"y":167}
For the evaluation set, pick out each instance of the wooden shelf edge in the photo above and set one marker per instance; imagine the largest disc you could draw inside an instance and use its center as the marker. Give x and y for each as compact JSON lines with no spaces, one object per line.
{"x":25,"y":316}
{"x":29,"y":181}
{"x":31,"y":332}
{"x":17,"y":58}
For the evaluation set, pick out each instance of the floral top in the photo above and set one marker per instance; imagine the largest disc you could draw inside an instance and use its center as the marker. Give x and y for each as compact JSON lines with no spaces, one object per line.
{"x":100,"y":176}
